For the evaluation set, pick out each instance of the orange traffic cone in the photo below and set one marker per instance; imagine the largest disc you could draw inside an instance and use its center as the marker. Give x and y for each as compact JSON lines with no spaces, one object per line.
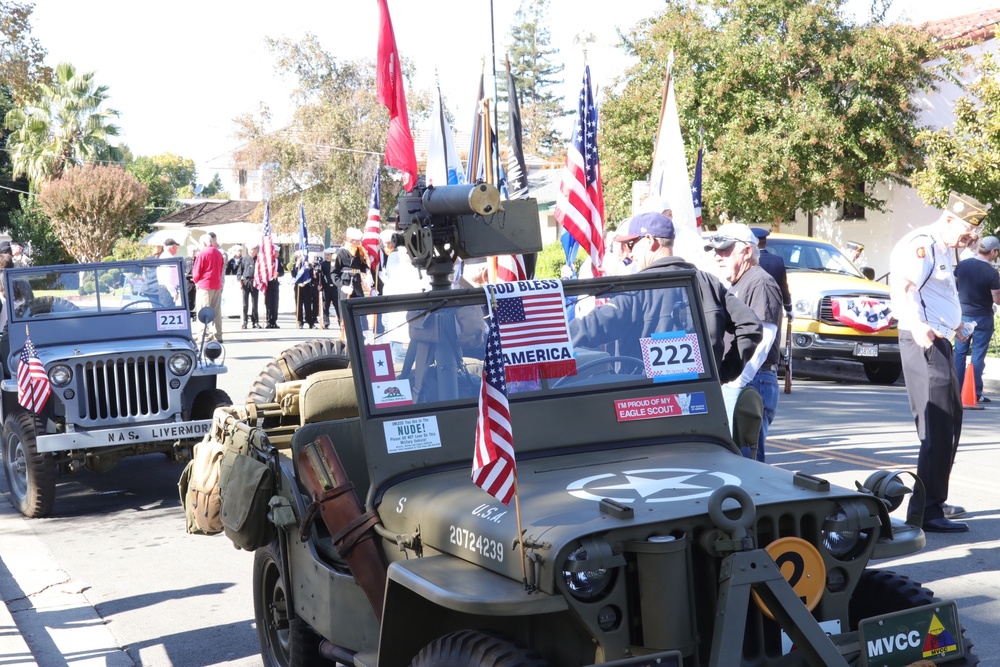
{"x":969,"y":399}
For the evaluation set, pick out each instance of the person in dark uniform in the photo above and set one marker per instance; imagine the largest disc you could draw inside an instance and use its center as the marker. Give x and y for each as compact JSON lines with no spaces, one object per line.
{"x":247,"y":268}
{"x":350,"y":269}
{"x":775,"y":267}
{"x":271,"y":295}
{"x":925,"y":302}
{"x":234,"y":262}
{"x":330,"y":296}
{"x":305,"y":291}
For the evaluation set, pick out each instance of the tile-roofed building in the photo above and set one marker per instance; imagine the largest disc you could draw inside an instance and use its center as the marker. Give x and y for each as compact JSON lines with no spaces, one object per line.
{"x":205,"y":213}
{"x":959,"y":31}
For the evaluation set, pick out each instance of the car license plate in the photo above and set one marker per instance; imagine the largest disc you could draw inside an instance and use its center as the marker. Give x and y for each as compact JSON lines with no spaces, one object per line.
{"x":866,"y":349}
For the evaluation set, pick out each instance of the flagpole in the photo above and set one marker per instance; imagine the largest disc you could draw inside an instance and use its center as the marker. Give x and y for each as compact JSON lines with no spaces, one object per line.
{"x":496,"y":97}
{"x":517,"y":494}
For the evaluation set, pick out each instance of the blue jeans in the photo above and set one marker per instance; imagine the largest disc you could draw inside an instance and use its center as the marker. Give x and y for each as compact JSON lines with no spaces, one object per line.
{"x":979,"y":342}
{"x":766,"y":384}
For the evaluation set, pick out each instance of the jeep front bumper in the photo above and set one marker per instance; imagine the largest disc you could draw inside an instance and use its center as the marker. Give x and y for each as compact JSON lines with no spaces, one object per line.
{"x":134,"y":434}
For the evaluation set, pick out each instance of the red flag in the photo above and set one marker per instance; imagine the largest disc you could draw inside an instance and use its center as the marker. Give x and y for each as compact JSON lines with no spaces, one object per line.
{"x":493,"y":465}
{"x":370,"y":240}
{"x":580,"y":204}
{"x":399,"y":150}
{"x":33,"y":387}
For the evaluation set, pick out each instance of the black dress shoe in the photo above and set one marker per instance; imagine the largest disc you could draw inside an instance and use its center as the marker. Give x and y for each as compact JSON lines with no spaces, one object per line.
{"x":952,"y":511}
{"x":243,"y":326}
{"x":944,"y":525}
{"x":256,"y":326}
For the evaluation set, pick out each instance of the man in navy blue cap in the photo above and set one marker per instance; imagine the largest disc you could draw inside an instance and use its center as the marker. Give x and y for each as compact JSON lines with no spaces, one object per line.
{"x":649,"y":242}
{"x":775,"y":267}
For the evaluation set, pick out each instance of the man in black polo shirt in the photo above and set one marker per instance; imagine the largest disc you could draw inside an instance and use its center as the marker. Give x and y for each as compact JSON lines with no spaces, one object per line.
{"x":978,"y":289}
{"x":737,"y":256}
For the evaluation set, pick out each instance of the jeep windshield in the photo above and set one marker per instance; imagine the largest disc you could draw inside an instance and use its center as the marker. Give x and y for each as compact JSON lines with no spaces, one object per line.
{"x":84,"y":290}
{"x":605,"y":335}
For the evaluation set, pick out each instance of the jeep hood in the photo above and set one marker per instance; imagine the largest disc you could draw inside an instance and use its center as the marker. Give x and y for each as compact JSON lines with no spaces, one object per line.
{"x":560,"y":501}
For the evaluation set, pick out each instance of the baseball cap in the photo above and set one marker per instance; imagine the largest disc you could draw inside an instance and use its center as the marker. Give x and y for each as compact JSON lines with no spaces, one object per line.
{"x":655,"y":204}
{"x":967,"y":208}
{"x":989,"y":243}
{"x":170,"y":242}
{"x":354,"y":234}
{"x":652,"y":223}
{"x":760,"y":232}
{"x":729,"y":234}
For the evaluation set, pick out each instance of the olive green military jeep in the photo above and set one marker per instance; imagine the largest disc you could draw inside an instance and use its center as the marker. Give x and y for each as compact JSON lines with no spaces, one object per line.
{"x":639,"y":534}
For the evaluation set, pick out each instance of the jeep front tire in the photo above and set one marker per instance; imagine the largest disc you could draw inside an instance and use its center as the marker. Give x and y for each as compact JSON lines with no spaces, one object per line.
{"x":31,"y":476}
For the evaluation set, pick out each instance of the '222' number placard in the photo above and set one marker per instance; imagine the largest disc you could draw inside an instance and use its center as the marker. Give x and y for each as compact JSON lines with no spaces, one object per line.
{"x":668,"y":355}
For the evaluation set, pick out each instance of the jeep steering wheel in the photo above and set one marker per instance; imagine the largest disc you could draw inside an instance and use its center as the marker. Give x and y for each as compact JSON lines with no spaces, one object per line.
{"x":592,"y":368}
{"x":130,"y":304}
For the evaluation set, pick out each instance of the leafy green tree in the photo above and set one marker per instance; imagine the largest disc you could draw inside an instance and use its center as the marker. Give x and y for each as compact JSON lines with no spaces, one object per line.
{"x":966,"y":157}
{"x":799,"y":106}
{"x":214,"y":189}
{"x":21,"y":68}
{"x":325,"y":157}
{"x":64,"y":126}
{"x":163,"y":175}
{"x":91,"y":207}
{"x":531,"y":54}
{"x":30,"y":227}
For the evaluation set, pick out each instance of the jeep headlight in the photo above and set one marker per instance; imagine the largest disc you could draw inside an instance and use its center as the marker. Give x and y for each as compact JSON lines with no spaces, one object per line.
{"x":584,"y":581}
{"x":842,"y":542}
{"x":803,"y":308}
{"x":179,"y":364}
{"x":60,"y":375}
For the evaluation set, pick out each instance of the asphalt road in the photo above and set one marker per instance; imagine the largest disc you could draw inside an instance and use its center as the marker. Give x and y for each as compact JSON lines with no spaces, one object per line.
{"x":113,"y":579}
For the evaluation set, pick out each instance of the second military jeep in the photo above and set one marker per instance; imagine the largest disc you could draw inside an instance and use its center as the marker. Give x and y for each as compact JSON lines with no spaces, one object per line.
{"x":115,"y":347}
{"x":639,"y":534}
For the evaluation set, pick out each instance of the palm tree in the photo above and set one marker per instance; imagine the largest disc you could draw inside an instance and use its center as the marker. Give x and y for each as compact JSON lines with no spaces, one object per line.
{"x":63,"y":126}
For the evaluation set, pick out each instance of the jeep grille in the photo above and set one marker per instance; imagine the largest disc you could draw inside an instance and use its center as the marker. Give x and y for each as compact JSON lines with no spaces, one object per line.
{"x":130,"y":386}
{"x":826,"y":309}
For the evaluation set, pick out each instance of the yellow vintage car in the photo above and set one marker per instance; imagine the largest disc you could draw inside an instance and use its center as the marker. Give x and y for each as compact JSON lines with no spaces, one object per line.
{"x":839,"y":313}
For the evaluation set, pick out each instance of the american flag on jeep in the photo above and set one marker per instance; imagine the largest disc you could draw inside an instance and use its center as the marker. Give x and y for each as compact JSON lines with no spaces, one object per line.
{"x":33,"y":386}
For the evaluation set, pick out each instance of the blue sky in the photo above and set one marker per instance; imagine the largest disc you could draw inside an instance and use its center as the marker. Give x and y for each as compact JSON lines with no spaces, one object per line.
{"x":179,"y":72}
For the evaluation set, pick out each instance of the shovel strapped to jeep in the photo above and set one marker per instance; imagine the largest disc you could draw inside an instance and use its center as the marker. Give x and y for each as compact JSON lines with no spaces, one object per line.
{"x":352,"y":529}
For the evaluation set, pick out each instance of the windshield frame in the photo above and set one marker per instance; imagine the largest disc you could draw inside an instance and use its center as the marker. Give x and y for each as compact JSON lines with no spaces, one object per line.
{"x":418,"y":305}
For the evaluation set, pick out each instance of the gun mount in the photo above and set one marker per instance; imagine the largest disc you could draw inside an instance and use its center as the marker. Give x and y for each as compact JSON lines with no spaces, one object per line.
{"x":441,"y":224}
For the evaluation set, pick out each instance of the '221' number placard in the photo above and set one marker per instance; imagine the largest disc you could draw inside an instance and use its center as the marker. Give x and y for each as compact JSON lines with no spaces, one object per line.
{"x":669,"y":355}
{"x":171,"y":320}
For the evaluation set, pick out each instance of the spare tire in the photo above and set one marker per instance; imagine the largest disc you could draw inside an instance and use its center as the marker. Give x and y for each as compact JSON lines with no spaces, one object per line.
{"x":297,"y":363}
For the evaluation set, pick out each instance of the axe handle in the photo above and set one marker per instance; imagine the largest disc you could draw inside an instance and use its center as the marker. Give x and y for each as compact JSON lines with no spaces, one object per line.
{"x":788,"y":355}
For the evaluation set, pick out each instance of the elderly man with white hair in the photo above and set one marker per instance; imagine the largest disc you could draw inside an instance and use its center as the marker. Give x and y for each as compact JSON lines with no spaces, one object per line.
{"x":737,"y":258}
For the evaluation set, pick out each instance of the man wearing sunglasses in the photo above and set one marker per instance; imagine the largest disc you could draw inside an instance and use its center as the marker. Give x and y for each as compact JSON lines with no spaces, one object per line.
{"x":737,"y":256}
{"x":926,"y":304}
{"x":647,"y":241}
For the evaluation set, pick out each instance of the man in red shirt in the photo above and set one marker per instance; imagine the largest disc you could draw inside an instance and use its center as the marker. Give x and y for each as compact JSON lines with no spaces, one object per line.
{"x":207,"y":278}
